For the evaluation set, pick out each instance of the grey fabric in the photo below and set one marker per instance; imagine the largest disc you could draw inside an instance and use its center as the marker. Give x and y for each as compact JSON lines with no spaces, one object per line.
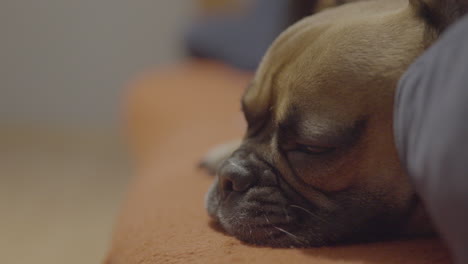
{"x":431,"y":132}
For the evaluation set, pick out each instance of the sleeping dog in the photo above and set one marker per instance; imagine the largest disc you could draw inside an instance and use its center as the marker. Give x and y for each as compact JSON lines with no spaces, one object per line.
{"x":318,"y":163}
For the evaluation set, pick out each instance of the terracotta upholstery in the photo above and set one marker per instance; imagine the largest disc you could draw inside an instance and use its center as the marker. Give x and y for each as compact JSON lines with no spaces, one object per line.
{"x":173,"y":116}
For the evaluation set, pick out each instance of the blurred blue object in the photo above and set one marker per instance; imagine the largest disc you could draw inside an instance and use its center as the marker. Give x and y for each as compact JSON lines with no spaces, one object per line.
{"x":241,"y":40}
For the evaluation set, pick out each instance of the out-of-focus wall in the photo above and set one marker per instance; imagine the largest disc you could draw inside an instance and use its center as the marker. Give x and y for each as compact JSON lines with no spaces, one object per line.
{"x":63,"y":67}
{"x":65,"y":62}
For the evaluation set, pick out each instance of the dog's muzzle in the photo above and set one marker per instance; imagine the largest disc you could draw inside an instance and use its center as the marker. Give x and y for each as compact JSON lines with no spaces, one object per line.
{"x":249,"y":203}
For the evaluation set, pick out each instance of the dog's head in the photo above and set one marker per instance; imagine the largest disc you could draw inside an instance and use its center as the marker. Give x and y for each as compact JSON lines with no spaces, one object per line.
{"x":318,"y":163}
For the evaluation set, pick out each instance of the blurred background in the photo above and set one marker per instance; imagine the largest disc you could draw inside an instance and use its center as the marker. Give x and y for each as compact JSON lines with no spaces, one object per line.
{"x":64,"y":66}
{"x":64,"y":69}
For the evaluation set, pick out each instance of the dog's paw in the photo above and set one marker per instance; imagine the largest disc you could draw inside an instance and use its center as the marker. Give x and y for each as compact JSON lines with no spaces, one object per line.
{"x":216,"y":156}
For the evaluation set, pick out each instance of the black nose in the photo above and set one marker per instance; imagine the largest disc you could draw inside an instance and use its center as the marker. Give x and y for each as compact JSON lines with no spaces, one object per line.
{"x":234,"y":176}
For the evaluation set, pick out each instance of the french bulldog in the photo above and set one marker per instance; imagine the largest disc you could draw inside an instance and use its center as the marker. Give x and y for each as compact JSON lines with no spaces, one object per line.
{"x":318,"y":164}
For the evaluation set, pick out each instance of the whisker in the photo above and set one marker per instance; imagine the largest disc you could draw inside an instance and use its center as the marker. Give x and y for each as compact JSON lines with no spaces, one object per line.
{"x":286,"y":214}
{"x":270,"y":234}
{"x":302,"y":208}
{"x":286,"y":232}
{"x":298,"y":239}
{"x":309,"y":212}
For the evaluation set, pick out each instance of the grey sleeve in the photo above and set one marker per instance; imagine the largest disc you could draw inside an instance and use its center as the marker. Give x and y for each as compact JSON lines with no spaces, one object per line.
{"x":431,"y":133}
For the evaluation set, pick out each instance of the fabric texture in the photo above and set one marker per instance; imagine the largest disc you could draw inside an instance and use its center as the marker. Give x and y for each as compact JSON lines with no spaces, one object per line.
{"x":431,"y":130}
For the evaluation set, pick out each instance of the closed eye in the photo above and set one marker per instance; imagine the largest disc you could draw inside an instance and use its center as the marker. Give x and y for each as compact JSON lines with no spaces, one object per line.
{"x":314,"y":150}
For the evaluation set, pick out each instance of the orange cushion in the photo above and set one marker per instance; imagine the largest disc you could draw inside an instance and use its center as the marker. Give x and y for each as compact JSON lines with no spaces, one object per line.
{"x":173,"y":117}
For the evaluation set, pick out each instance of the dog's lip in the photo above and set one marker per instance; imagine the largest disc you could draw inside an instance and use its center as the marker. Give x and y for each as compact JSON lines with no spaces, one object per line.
{"x":266,"y":220}
{"x":259,"y":209}
{"x":261,"y":218}
{"x":257,"y":224}
{"x":253,"y":194}
{"x":271,"y":235}
{"x":257,"y":231}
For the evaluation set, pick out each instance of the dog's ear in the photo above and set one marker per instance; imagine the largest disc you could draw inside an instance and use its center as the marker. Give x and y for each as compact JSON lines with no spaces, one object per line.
{"x":439,"y":14}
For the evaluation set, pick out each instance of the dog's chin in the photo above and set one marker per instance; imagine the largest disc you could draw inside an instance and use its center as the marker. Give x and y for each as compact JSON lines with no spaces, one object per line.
{"x":268,"y":235}
{"x":261,"y":216}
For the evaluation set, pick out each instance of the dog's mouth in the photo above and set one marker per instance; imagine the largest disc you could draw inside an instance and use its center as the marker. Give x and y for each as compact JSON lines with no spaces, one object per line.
{"x":269,"y":235}
{"x":262,"y":216}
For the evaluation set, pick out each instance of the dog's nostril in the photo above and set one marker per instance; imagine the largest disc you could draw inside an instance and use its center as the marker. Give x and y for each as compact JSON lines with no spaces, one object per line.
{"x":227,"y":185}
{"x":234,"y":185}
